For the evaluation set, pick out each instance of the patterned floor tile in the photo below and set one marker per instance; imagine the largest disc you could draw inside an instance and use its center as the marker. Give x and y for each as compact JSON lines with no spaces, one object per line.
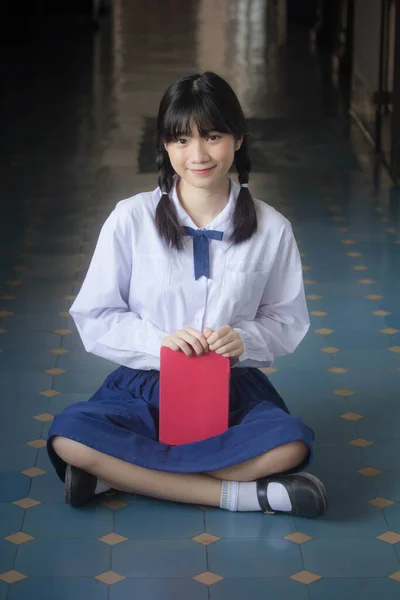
{"x":63,"y":558}
{"x":349,"y":557}
{"x":7,"y":556}
{"x":385,"y":456}
{"x":159,"y":589}
{"x":45,"y":429}
{"x":26,"y":384}
{"x":382,"y":428}
{"x":73,"y":343}
{"x":15,"y":408}
{"x":351,"y":588}
{"x":159,"y":558}
{"x":86,"y":361}
{"x":23,"y":430}
{"x":329,"y":456}
{"x":258,"y":589}
{"x":361,"y":361}
{"x":365,"y":400}
{"x":34,"y":341}
{"x":16,"y":457}
{"x":48,"y":488}
{"x":27,"y":322}
{"x":81,"y":382}
{"x":346,"y":520}
{"x":359,"y":338}
{"x":17,"y":360}
{"x":299,"y":379}
{"x":345,"y":486}
{"x":311,"y":362}
{"x":3,"y":590}
{"x":13,"y":486}
{"x":247,"y":525}
{"x":61,"y":521}
{"x":43,"y":460}
{"x":323,"y":417}
{"x":62,"y":588}
{"x":159,"y":521}
{"x":11,"y":518}
{"x":254,"y":558}
{"x":392,"y":514}
{"x":388,"y":485}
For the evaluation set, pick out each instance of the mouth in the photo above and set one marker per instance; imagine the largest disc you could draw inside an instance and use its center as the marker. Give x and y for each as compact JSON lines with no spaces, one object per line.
{"x":202,"y":171}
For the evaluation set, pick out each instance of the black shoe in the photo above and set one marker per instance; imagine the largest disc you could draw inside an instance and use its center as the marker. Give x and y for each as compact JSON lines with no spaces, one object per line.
{"x":306,"y":492}
{"x":79,"y":486}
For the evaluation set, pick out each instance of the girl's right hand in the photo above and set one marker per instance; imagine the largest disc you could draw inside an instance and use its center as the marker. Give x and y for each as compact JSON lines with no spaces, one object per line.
{"x":186,"y":340}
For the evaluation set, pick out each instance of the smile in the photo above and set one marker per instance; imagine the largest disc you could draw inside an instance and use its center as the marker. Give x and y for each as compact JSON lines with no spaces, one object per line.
{"x":202,"y":171}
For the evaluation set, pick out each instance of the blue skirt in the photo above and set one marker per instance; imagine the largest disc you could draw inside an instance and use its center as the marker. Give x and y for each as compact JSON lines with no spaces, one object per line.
{"x":121,"y":420}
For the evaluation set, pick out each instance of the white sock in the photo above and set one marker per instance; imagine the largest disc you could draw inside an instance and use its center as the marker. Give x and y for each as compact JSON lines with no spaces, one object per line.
{"x":102,"y":487}
{"x":229,"y":495}
{"x":242,"y":496}
{"x":247,"y":498}
{"x":278,"y":497}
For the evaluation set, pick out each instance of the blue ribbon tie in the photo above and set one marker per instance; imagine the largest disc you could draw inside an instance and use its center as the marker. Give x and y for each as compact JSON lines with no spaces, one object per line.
{"x":201,"y":251}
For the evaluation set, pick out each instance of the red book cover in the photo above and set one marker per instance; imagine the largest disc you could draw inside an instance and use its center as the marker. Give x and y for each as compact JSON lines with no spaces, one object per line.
{"x":194,"y":396}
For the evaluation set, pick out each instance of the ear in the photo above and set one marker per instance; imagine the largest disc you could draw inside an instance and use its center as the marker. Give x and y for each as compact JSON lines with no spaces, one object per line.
{"x":238,"y":143}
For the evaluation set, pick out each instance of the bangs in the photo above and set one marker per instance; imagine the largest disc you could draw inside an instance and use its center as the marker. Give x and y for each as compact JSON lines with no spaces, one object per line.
{"x":192,"y":109}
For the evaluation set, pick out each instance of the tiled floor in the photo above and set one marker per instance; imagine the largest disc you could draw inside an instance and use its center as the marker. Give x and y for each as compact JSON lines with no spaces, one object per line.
{"x":77,"y":110}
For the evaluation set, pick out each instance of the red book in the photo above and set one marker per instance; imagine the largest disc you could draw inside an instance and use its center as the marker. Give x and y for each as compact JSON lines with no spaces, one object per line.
{"x":194,"y":396}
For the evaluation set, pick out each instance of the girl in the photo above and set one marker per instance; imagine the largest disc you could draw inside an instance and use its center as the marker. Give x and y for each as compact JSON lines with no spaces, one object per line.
{"x":238,"y":293}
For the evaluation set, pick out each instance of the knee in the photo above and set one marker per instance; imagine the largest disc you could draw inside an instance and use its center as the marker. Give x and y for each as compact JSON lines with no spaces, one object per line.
{"x":298,"y":451}
{"x":283,"y":458}
{"x":74,"y":453}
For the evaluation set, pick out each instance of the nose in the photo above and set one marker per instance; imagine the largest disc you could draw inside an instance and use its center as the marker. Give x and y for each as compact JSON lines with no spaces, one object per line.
{"x":199,"y":152}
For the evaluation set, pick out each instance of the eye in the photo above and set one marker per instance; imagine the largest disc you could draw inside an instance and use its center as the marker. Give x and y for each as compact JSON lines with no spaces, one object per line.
{"x":181,"y":141}
{"x":214,"y":137}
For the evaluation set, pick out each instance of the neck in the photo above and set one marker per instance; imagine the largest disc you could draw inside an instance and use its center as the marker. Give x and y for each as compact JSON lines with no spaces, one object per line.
{"x":203,"y":205}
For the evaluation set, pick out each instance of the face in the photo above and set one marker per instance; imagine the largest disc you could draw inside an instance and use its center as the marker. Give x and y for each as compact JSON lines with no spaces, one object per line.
{"x":203,"y":162}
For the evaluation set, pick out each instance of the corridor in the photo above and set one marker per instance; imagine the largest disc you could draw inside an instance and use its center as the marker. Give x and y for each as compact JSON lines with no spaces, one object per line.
{"x":77,"y":128}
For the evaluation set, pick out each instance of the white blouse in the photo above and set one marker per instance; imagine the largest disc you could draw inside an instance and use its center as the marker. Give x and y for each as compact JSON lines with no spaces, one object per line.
{"x":137,"y":290}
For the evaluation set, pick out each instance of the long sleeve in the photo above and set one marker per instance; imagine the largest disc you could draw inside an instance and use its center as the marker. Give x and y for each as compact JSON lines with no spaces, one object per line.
{"x":101,"y":311}
{"x":282,"y":318}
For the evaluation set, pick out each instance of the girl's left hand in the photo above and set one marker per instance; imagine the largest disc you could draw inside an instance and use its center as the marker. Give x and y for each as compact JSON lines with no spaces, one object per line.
{"x":225,"y":341}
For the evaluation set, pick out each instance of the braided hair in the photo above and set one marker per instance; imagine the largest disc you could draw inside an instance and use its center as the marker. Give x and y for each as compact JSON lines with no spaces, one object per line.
{"x":209,"y":102}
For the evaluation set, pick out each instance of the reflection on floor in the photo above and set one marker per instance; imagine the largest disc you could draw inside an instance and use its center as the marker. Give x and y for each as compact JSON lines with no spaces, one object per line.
{"x":80,"y":111}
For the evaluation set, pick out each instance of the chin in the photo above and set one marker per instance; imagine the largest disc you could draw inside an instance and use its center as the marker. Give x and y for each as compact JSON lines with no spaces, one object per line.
{"x":205,"y":181}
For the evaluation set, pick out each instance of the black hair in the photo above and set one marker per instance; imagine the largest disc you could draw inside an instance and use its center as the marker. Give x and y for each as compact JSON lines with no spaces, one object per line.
{"x":210,"y":102}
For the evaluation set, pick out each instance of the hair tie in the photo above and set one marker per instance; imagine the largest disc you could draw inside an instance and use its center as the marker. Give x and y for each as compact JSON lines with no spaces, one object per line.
{"x":245,"y":185}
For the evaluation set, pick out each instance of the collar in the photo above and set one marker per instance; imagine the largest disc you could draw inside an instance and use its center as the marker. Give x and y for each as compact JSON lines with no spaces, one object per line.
{"x":222,"y":222}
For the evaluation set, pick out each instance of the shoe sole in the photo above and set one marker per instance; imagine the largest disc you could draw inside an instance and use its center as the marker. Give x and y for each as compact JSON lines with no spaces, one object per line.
{"x":69,"y":490}
{"x":321,"y":488}
{"x":67,"y":485}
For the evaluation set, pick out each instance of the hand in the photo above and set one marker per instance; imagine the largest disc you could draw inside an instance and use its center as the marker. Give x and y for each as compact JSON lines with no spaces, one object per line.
{"x":186,"y":340}
{"x":224,"y":341}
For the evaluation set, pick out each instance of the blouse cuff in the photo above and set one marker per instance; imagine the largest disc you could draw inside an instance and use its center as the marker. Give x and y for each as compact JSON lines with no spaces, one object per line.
{"x":141,"y":336}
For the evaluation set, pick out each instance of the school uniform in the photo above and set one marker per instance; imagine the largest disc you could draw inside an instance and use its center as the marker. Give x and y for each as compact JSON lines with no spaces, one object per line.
{"x":137,"y":291}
